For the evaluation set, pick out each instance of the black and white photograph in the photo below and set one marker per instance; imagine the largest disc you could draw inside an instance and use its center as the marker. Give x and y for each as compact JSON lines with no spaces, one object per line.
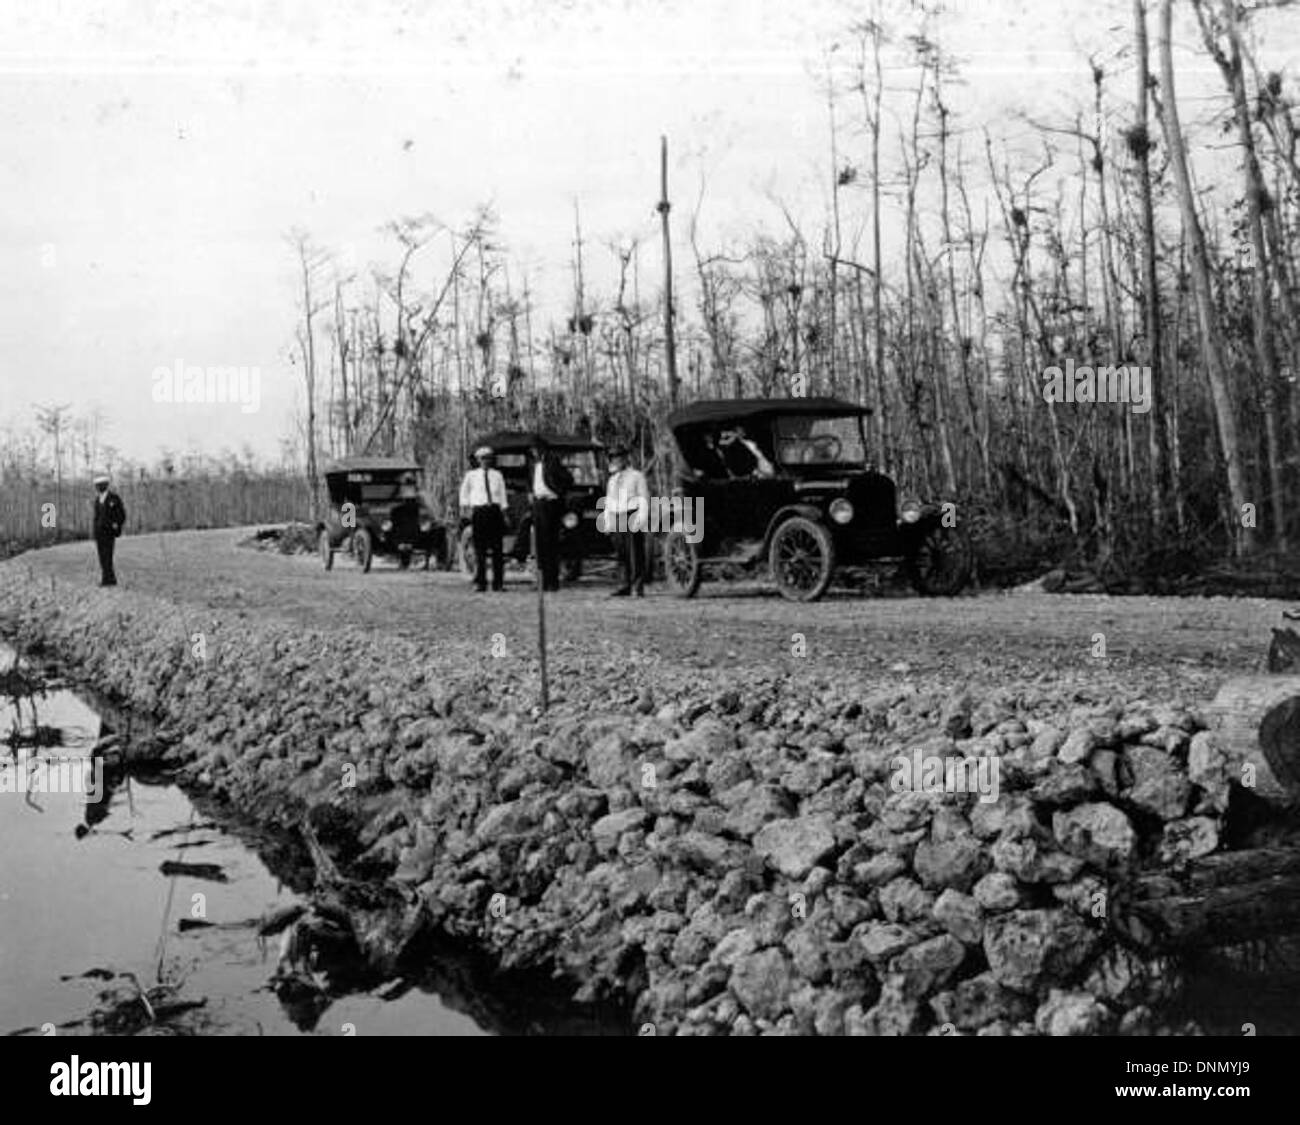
{"x":651,"y":518}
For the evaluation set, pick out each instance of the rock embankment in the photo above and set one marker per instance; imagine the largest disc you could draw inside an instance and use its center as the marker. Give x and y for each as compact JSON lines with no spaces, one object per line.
{"x":733,"y":857}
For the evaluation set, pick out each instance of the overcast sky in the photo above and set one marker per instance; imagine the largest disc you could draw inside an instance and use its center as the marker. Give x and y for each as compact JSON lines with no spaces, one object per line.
{"x":155,"y":154}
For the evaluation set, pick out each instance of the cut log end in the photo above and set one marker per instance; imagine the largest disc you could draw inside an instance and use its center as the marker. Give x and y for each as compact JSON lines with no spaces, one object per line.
{"x":1279,"y":737}
{"x":1256,"y":720}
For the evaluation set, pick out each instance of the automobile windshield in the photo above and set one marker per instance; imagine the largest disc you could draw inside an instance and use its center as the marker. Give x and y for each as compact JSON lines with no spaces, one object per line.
{"x":809,"y":440}
{"x":582,"y":464}
{"x":380,"y":492}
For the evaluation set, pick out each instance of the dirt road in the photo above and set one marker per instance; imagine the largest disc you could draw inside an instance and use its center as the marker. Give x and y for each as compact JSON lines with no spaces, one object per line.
{"x":1132,"y":645}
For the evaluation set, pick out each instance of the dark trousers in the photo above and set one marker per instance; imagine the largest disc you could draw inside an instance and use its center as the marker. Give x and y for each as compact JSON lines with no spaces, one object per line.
{"x":488,"y":526}
{"x":547,"y":515}
{"x":630,"y":546}
{"x":104,"y":545}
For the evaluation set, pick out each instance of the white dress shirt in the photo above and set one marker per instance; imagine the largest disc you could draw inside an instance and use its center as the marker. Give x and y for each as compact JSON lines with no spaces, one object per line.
{"x":626,"y":493}
{"x":764,"y":468}
{"x":540,"y":491}
{"x":481,"y":487}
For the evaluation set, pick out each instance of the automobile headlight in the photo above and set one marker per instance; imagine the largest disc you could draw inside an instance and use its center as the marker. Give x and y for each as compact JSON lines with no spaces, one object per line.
{"x":911,"y":511}
{"x":386,"y":526}
{"x":570,"y":520}
{"x":426,"y":526}
{"x":841,"y":511}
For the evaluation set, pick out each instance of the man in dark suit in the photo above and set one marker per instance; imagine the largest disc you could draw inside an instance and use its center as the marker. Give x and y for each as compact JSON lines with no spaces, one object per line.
{"x":551,"y":483}
{"x":110,"y":515}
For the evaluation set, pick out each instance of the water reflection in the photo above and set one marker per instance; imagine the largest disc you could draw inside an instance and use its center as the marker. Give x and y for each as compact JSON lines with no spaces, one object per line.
{"x":150,"y":909}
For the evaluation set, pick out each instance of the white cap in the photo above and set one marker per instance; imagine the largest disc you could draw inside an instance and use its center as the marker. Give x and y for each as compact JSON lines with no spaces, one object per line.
{"x":99,"y":478}
{"x":484,"y":451}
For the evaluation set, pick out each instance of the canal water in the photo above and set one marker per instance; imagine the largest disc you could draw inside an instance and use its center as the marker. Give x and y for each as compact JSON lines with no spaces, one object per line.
{"x":90,"y":916}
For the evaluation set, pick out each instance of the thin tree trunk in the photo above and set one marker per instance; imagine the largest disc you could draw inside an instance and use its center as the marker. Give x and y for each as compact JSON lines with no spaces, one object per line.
{"x":1207,"y":314}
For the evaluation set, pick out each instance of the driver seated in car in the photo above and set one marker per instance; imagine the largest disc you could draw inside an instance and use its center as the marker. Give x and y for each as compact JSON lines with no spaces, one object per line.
{"x":741,"y":456}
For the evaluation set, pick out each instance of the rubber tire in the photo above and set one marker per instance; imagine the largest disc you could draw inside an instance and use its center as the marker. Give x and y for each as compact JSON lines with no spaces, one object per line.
{"x":958,"y":580}
{"x":825,"y":548}
{"x":684,"y":582}
{"x":465,"y":553}
{"x":362,"y":549}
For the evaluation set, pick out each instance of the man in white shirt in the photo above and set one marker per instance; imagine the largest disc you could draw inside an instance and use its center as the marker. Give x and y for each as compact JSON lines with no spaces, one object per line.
{"x":483,"y":493}
{"x":627,"y":508}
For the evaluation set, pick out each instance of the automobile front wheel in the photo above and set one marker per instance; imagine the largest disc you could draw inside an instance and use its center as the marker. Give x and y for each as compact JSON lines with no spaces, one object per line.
{"x":942,"y":563}
{"x":802,"y":559}
{"x":682,"y":570}
{"x":326,"y":550}
{"x":468,"y":560}
{"x":363,"y":549}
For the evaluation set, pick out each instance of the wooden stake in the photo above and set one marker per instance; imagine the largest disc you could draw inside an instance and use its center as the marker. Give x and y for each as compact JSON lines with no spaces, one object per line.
{"x":541,"y":621}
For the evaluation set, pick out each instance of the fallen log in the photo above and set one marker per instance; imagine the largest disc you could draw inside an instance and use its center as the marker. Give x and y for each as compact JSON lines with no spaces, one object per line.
{"x":1256,"y":721}
{"x":209,"y":871}
{"x":1222,"y":900}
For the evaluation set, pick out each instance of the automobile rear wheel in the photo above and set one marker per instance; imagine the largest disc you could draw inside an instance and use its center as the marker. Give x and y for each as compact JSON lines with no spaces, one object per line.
{"x":802,"y":559}
{"x":326,"y":550}
{"x":468,"y":559}
{"x":362,"y":549}
{"x":682,"y":569}
{"x":942,"y":563}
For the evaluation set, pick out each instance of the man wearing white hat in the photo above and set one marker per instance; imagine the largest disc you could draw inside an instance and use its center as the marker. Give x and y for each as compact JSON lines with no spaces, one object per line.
{"x":110,"y":515}
{"x":483,"y":493}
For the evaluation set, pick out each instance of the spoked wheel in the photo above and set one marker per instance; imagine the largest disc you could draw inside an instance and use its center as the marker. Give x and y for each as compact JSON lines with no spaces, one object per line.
{"x":682,"y":570}
{"x":942,"y":564}
{"x":362,"y":549}
{"x":802,"y":559}
{"x":326,"y":550}
{"x":468,"y":559}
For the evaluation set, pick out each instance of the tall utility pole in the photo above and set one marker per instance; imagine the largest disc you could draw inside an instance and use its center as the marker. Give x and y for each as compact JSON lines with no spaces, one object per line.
{"x":1158,"y":438}
{"x":580,"y":306}
{"x":670,"y":341}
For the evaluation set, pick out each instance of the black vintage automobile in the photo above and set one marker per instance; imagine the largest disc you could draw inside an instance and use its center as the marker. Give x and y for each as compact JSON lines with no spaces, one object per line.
{"x":579,"y":536}
{"x":376,"y":508}
{"x":788,"y":483}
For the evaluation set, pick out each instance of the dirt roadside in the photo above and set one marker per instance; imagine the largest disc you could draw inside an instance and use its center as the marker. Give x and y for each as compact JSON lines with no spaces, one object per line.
{"x":1148,"y":641}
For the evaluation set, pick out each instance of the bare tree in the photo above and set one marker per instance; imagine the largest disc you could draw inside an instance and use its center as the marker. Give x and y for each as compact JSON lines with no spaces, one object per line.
{"x":1207,"y":314}
{"x":311,"y":262}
